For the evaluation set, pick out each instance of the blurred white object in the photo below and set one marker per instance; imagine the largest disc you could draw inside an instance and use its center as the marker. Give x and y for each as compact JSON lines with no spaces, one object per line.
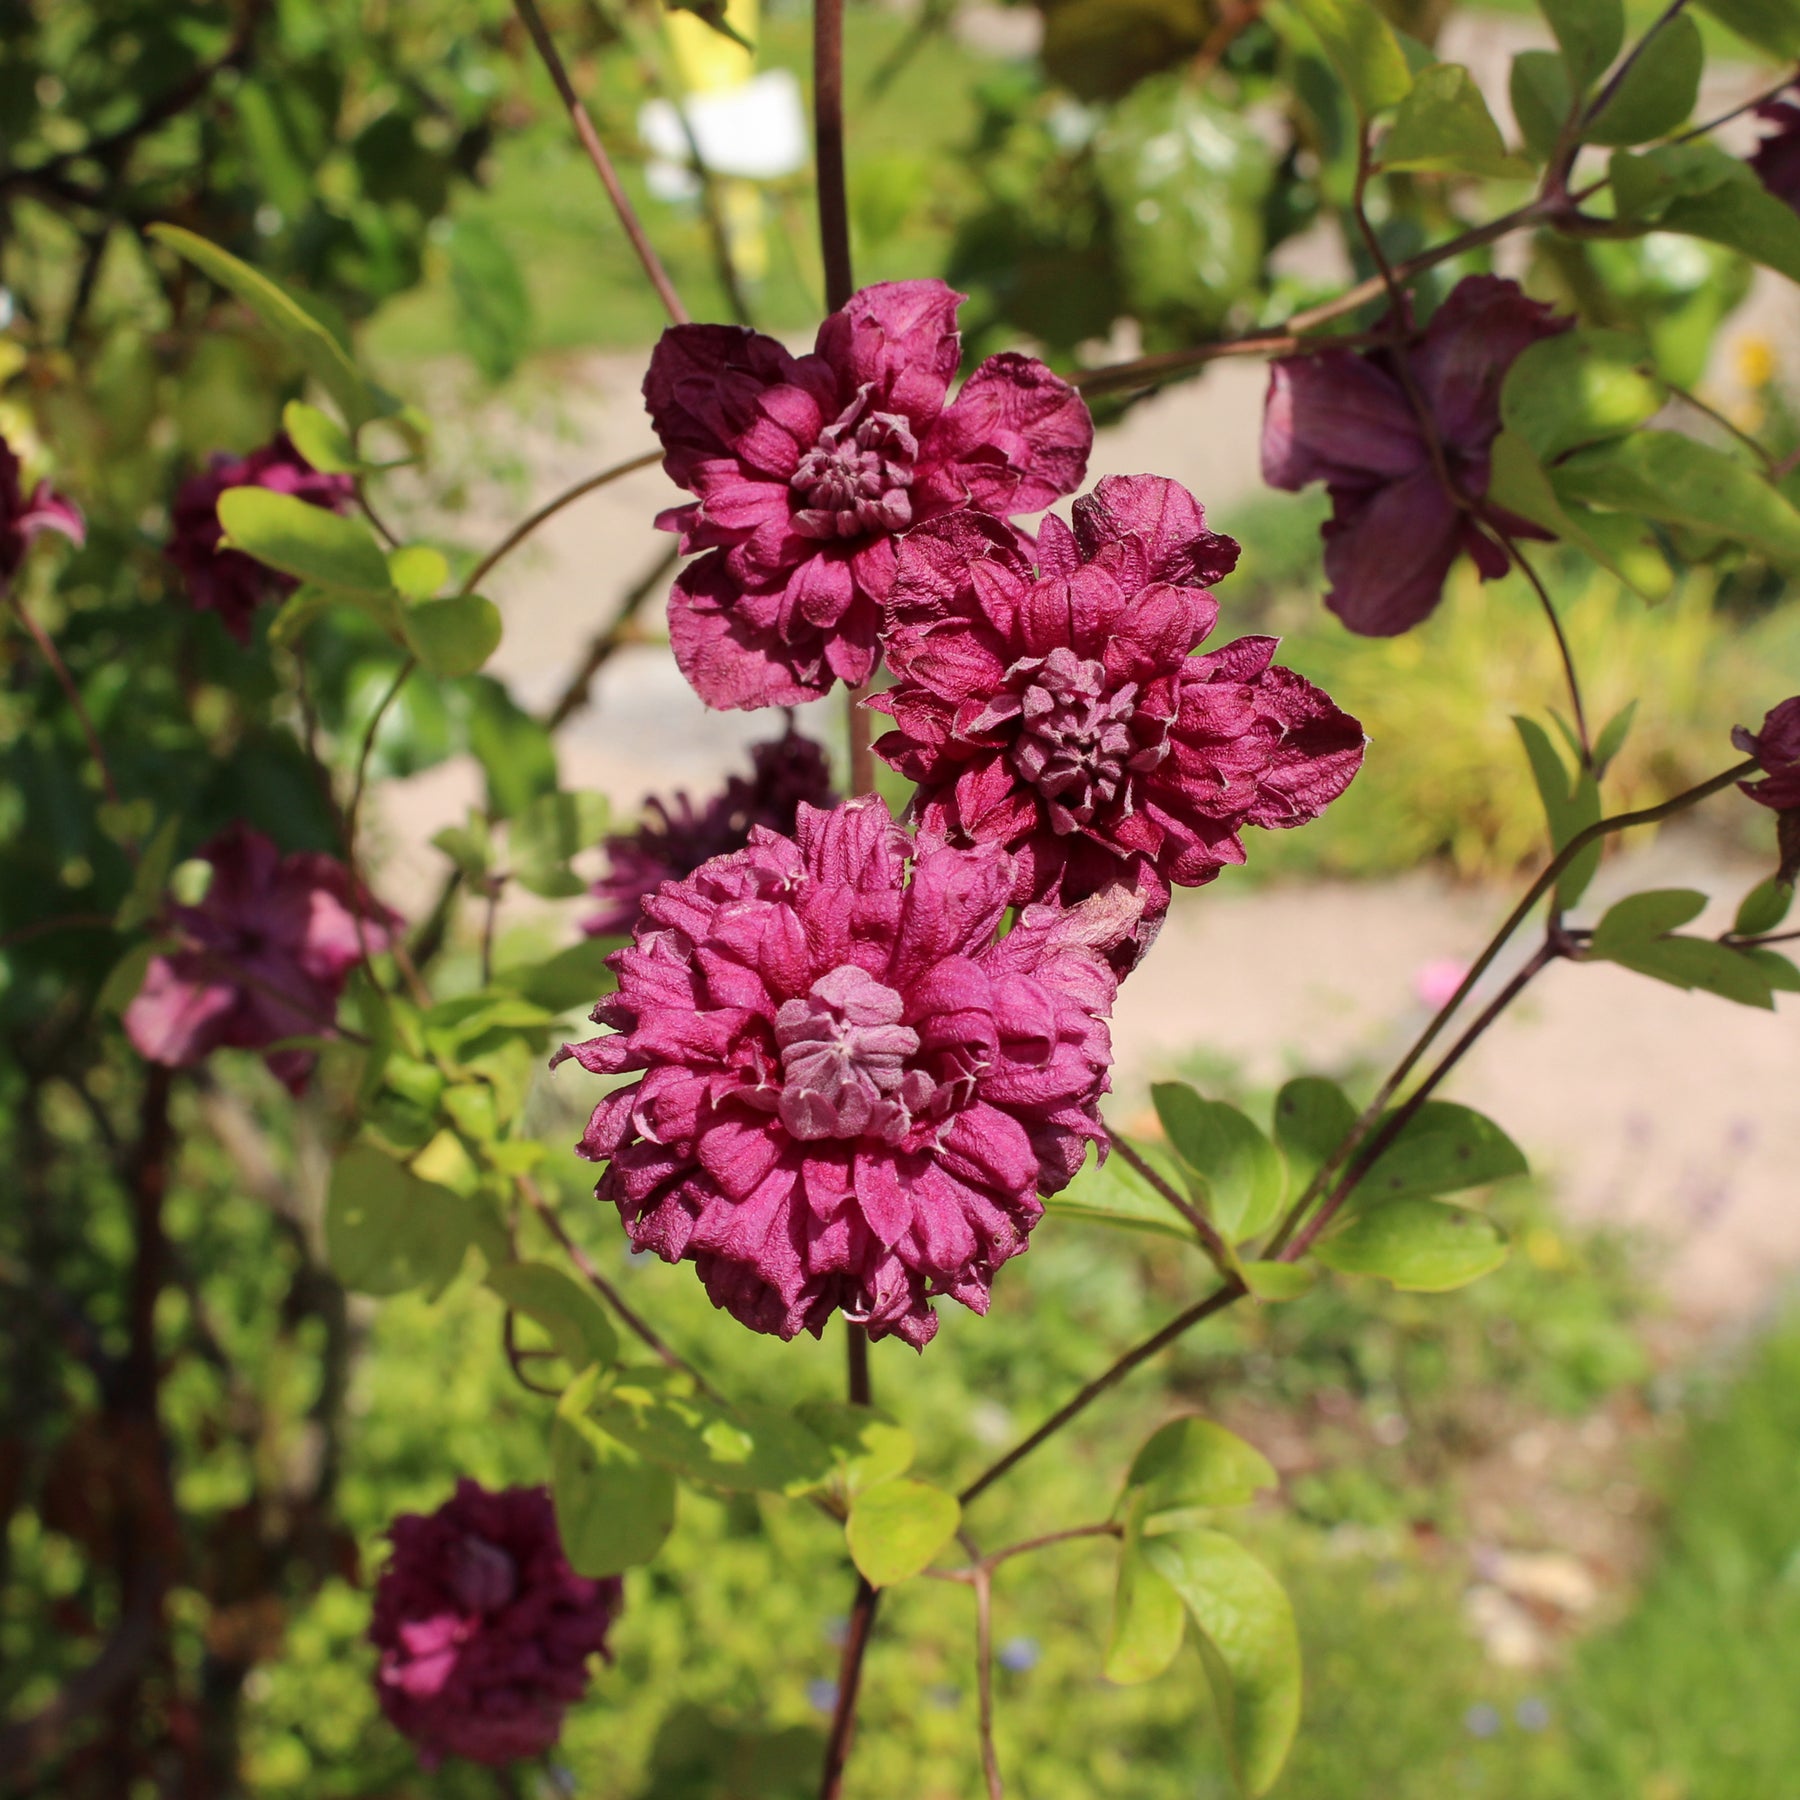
{"x":756,"y":131}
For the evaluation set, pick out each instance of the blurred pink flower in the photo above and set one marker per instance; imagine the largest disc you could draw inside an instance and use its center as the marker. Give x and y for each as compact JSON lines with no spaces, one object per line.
{"x":484,"y":1629}
{"x":264,"y":956}
{"x":1776,"y":158}
{"x":1060,"y":712}
{"x":850,"y":1095}
{"x":675,"y":838}
{"x":227,"y":581}
{"x":1436,"y":982}
{"x":808,"y":469}
{"x":23,"y":518}
{"x":1347,"y":420}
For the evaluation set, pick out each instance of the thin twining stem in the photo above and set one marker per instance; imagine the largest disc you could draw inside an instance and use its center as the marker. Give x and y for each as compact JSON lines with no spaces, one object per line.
{"x":603,"y":167}
{"x":1770,"y":462}
{"x":983,"y":1583}
{"x":1231,"y":1291}
{"x":47,"y":648}
{"x":606,"y":643}
{"x":843,"y":1712}
{"x":828,"y":150}
{"x":1570,"y":678}
{"x":632,"y":1320}
{"x":549,"y":510}
{"x":1106,"y":1528}
{"x":1210,"y":1241}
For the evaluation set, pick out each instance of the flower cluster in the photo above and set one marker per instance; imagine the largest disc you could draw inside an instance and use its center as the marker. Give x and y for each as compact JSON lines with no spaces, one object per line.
{"x":850,"y":1092}
{"x":22,"y":518}
{"x":484,"y":1629}
{"x":676,"y":837}
{"x":228,"y":582}
{"x":1352,"y":422}
{"x":1059,"y":711}
{"x":1776,"y":159}
{"x":807,"y":469}
{"x":1777,"y":748}
{"x":262,"y":957}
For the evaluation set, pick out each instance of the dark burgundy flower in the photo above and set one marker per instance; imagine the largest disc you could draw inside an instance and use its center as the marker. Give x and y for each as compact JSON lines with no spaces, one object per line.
{"x":227,"y":581}
{"x":1060,"y":713}
{"x":22,"y":518}
{"x":264,"y":956}
{"x":1777,"y":748}
{"x":1347,"y":420}
{"x":676,"y":838}
{"x":1776,"y":159}
{"x":484,"y":1629}
{"x":808,"y":468}
{"x":849,"y":1094}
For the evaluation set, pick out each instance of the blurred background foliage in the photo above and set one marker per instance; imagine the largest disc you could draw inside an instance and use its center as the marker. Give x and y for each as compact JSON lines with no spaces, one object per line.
{"x":407,"y":165}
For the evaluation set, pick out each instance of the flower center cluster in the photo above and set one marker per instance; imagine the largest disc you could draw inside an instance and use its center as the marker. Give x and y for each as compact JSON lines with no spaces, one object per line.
{"x":843,"y":1061}
{"x":482,"y":1576}
{"x":1075,"y":743}
{"x":853,"y":482}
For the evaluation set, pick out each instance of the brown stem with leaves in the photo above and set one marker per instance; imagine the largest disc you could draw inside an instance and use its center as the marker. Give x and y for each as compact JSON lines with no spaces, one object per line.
{"x":1573,"y":681}
{"x":596,"y":151}
{"x":1214,"y":1245}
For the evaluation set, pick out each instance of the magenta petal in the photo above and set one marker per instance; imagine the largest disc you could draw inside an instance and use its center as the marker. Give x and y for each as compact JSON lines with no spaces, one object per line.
{"x":1016,"y":438}
{"x":726,"y":664}
{"x":1334,"y":416}
{"x":1387,"y":556}
{"x":900,"y":338}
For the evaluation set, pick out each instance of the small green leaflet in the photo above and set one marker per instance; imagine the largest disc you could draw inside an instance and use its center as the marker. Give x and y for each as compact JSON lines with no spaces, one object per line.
{"x":454,"y":636}
{"x":1191,"y":1463}
{"x":1571,"y":804}
{"x":896,"y":1527}
{"x":1362,"y":48}
{"x":1423,"y":1245}
{"x":1637,"y":933}
{"x":308,"y":542}
{"x":1444,"y":1148}
{"x":1444,"y":126}
{"x":614,"y":1507}
{"x":388,"y":1230}
{"x":1236,"y":1174}
{"x":1148,"y":1619}
{"x":569,"y":1313}
{"x":1659,"y":89}
{"x":1113,"y":1193}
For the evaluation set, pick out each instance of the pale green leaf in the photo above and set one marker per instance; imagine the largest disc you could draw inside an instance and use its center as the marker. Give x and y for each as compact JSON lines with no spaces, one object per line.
{"x":866,"y":1446}
{"x":1423,"y":1245}
{"x":1148,"y":1619}
{"x":417,"y":570}
{"x":896,"y":1527}
{"x":570,"y":1314}
{"x":1580,"y":387}
{"x":309,"y":542}
{"x":388,"y":1230}
{"x":1444,"y":1148}
{"x":1277,"y":1281}
{"x":1444,"y":126}
{"x":1113,"y":1193}
{"x":454,"y":636}
{"x":1362,"y":48}
{"x":614,"y":1508}
{"x":1764,"y":907}
{"x":1192,"y":1462}
{"x":1571,"y":803}
{"x":1240,"y":1177}
{"x":321,"y":440}
{"x":1312,"y":1117}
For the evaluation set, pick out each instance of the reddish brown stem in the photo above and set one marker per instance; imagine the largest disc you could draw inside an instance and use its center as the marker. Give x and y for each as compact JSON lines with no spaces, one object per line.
{"x":843,"y":1712}
{"x":828,"y":150}
{"x":549,"y":510}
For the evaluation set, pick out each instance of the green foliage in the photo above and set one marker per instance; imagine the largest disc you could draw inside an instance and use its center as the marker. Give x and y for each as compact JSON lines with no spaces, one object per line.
{"x":897,"y":1526}
{"x":1658,"y":91}
{"x":1571,"y":797}
{"x":1443,"y":126}
{"x":1421,"y":1245}
{"x":1193,"y":1463}
{"x":1640,"y":933}
{"x":1443,"y":1148}
{"x":1363,"y":50}
{"x":1232,"y":1168}
{"x":1113,"y":1193}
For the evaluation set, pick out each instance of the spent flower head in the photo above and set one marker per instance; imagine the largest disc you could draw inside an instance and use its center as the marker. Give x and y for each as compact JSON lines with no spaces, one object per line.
{"x":483,"y":1628}
{"x":23,"y":516}
{"x":1059,"y":711}
{"x":1777,"y":748}
{"x":807,"y":470}
{"x":1348,"y":420}
{"x":849,"y":1090}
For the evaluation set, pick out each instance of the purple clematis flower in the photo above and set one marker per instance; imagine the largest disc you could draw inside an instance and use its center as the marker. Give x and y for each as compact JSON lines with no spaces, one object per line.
{"x":1347,"y":420}
{"x":1061,"y":713}
{"x":227,"y":581}
{"x":1777,"y":748}
{"x":1776,"y":159}
{"x":677,"y":838}
{"x":848,"y":1091}
{"x":263,"y":957}
{"x":484,"y":1629}
{"x":22,"y":518}
{"x":807,"y":470}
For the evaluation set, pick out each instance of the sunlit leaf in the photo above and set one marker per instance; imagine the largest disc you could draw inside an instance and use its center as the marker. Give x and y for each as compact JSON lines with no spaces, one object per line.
{"x":570,"y":1314}
{"x":1423,"y":1245}
{"x":896,"y":1527}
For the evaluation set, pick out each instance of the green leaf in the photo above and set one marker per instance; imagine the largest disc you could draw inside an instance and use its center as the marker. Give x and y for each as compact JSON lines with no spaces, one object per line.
{"x":1635,"y":934}
{"x":1590,"y":33}
{"x":124,"y":979}
{"x":386,"y":1230}
{"x":575,"y":977}
{"x":1241,"y":1177}
{"x":745,"y":1448}
{"x":570,"y":1314}
{"x":1764,"y":907}
{"x":865,"y":1445}
{"x":1542,"y":99}
{"x":321,"y":440}
{"x":1571,"y":805}
{"x":1771,"y":25}
{"x":306,"y":336}
{"x":459,"y":1030}
{"x":1640,"y":918}
{"x":1113,"y":1193}
{"x":1312,"y":1117}
{"x":1645,"y":186}
{"x":1422,"y":1245}
{"x":1277,"y":1281}
{"x":1612,"y":738}
{"x":1444,"y":1148}
{"x":549,"y":832}
{"x":306,"y":541}
{"x":308,"y":602}
{"x":469,"y":846}
{"x":514,"y":750}
{"x":1250,"y":1646}
{"x":492,"y":302}
{"x":1659,"y":89}
{"x":1148,"y":1619}
{"x":1743,"y":216}
{"x":614,"y":1508}
{"x":1362,"y":48}
{"x":896,"y":1527}
{"x":1192,"y":1462}
{"x":1577,"y":388}
{"x":144,"y":899}
{"x":454,"y":636}
{"x":1519,"y":483}
{"x":1444,"y":126}
{"x":1781,"y":975}
{"x":417,"y":570}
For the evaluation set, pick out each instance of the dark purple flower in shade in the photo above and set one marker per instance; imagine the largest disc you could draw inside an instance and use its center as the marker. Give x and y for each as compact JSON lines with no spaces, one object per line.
{"x":1776,"y":159}
{"x":484,"y":1629}
{"x":22,"y":517}
{"x":808,"y":468}
{"x":264,"y":956}
{"x":676,"y":837}
{"x":1777,"y":748}
{"x":1347,"y":420}
{"x":849,"y":1095}
{"x":1060,"y":713}
{"x":227,"y":581}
